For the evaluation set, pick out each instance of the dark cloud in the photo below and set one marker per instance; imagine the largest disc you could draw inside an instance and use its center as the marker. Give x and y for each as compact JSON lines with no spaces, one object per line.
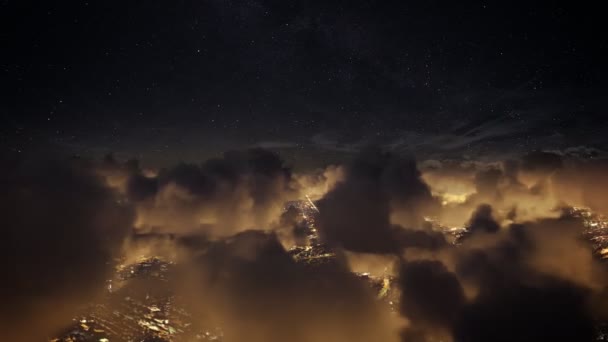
{"x":239,"y":191}
{"x":292,"y":224}
{"x":487,"y":183}
{"x":531,"y":281}
{"x":528,"y":278}
{"x":378,"y":188}
{"x":61,"y":227}
{"x":254,"y":288}
{"x":527,"y":291}
{"x":491,"y":267}
{"x":553,"y":311}
{"x":595,"y":185}
{"x":482,"y":220}
{"x":431,"y":296}
{"x":140,"y":187}
{"x":540,"y":161}
{"x":356,"y":216}
{"x":207,"y":179}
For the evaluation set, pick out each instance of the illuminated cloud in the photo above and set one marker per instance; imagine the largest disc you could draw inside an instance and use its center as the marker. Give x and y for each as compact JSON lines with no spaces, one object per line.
{"x":225,"y":223}
{"x":240,"y":191}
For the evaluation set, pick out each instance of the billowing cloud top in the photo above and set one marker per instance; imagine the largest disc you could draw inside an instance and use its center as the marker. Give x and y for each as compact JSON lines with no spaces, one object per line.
{"x":521,"y":266}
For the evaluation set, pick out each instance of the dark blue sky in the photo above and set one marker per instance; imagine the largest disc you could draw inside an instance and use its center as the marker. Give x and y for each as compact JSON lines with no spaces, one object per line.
{"x":181,"y":80}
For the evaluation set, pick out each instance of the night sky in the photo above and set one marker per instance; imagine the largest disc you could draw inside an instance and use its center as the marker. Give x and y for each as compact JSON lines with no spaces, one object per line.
{"x":315,"y":80}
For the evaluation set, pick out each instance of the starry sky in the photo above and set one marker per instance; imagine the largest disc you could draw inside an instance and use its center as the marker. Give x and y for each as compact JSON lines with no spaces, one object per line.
{"x":315,"y":80}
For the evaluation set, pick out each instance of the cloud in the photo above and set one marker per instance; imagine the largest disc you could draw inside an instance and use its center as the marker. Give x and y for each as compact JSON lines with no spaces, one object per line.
{"x":61,"y":228}
{"x":595,"y":185}
{"x":317,"y":183}
{"x":529,"y":281}
{"x":241,"y":190}
{"x":482,"y":220}
{"x":534,"y":186}
{"x":431,"y":296}
{"x":252,"y":286}
{"x":380,"y":194}
{"x":554,"y":311}
{"x":522,"y":266}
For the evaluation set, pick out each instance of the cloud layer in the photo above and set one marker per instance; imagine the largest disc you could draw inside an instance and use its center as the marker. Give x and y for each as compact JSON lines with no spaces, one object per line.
{"x":61,"y":228}
{"x":522,"y":270}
